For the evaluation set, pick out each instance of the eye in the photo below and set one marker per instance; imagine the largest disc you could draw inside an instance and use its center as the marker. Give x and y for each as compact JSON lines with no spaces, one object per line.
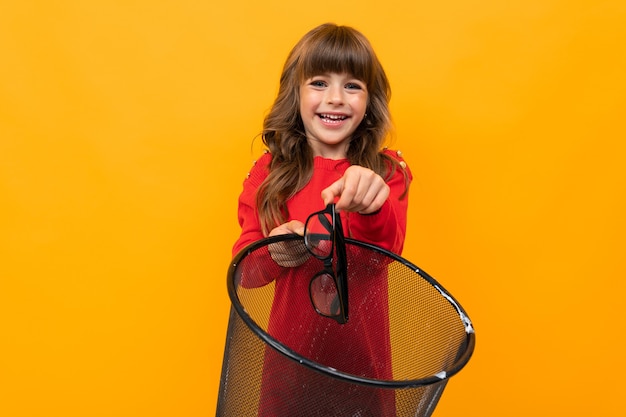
{"x":318,"y":83}
{"x":354,"y":86}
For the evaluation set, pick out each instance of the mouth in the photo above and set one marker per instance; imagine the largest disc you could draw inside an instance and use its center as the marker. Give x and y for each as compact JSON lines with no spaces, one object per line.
{"x":332,"y":118}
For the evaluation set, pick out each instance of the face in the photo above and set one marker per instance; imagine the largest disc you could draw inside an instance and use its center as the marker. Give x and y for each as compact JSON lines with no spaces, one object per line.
{"x":332,"y":106}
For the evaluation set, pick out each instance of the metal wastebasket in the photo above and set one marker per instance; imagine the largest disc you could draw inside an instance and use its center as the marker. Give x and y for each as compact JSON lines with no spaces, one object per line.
{"x":405,"y":337}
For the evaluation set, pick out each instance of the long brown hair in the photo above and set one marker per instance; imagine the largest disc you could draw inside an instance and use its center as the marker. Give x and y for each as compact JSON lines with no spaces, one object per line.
{"x":325,"y":49}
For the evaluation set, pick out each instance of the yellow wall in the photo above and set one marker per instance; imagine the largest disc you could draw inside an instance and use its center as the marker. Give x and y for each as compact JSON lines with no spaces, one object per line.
{"x":126,"y":130}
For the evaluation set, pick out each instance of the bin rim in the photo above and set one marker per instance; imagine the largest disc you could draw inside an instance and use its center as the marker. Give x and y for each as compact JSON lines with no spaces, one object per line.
{"x":335,"y":373}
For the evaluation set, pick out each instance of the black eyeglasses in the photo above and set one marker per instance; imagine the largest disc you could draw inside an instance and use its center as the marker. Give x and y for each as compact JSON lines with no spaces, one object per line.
{"x":328,"y":289}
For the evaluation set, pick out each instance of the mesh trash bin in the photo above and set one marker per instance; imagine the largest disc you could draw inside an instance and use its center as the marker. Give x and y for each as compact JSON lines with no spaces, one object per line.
{"x":405,"y":337}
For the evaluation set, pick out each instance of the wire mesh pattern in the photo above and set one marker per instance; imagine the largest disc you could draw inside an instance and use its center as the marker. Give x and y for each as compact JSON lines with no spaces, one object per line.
{"x":405,"y":337}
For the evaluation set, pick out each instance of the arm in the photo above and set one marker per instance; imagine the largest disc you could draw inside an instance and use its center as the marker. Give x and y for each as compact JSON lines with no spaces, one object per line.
{"x":377,"y":213}
{"x":285,"y":254}
{"x":247,"y":212}
{"x":252,"y":275}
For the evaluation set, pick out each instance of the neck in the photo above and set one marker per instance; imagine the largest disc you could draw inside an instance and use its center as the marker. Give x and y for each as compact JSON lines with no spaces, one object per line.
{"x":338,"y":151}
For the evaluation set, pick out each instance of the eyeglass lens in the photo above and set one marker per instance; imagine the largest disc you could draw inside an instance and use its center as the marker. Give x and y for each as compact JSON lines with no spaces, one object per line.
{"x":324,"y":294}
{"x":318,"y":237}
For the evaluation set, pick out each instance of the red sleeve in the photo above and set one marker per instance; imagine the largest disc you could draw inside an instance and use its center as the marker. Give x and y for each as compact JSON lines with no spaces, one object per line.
{"x":247,"y":209}
{"x":387,"y":227}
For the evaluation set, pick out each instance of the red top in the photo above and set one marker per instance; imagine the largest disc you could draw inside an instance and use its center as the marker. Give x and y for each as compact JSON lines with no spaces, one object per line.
{"x":294,"y":322}
{"x":386,"y":228}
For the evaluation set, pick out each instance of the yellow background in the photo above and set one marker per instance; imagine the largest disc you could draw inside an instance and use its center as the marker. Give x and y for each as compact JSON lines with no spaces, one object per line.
{"x":127,"y":127}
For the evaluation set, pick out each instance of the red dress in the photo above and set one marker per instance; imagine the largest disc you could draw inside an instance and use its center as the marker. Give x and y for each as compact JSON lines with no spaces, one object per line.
{"x":292,"y":316}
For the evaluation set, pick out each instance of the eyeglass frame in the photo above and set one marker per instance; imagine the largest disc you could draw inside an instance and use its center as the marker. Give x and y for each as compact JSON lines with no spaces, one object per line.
{"x":338,"y":273}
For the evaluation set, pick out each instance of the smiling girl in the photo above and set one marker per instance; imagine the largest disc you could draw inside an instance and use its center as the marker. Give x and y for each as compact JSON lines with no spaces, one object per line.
{"x":325,"y":134}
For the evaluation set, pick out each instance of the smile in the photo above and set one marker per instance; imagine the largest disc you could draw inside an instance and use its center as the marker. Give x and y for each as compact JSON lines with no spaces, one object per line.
{"x":332,"y":117}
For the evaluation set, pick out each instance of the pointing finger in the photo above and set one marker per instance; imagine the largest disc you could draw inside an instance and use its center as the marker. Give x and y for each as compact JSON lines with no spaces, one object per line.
{"x":332,"y":191}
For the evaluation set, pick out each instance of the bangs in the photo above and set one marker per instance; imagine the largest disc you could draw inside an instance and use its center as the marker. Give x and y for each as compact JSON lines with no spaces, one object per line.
{"x":338,"y":51}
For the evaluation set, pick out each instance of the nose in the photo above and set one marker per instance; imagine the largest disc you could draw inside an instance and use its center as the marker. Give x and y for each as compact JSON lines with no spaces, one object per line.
{"x":334,"y":94}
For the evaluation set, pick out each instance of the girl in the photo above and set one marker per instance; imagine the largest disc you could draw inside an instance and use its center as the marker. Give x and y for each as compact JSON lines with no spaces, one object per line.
{"x":324,"y":135}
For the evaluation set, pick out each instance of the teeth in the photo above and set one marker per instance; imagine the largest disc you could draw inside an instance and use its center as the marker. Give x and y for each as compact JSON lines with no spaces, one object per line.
{"x":333,"y":116}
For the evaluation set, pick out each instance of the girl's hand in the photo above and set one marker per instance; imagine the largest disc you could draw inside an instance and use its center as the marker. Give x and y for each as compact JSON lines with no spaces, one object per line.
{"x":360,"y":189}
{"x":290,"y":253}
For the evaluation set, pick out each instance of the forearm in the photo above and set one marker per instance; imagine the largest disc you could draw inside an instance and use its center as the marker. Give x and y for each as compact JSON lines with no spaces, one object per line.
{"x":385,"y":228}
